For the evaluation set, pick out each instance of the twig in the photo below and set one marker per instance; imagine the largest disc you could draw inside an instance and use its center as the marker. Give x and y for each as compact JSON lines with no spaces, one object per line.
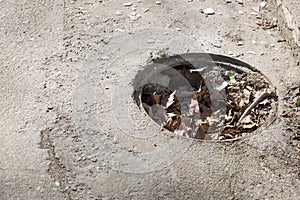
{"x":260,"y":98}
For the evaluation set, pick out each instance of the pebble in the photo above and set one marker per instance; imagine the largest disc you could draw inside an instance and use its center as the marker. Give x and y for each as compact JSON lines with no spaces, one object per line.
{"x":139,"y":1}
{"x":239,"y":1}
{"x":255,"y":9}
{"x":240,"y":43}
{"x":127,"y":4}
{"x":236,"y":55}
{"x":158,"y":2}
{"x":263,"y":4}
{"x":119,"y":12}
{"x":254,"y":42}
{"x":178,"y":29}
{"x":151,"y":40}
{"x":134,"y":16}
{"x":251,"y":52}
{"x":228,"y":1}
{"x":104,"y":58}
{"x":146,"y":10}
{"x":190,"y":0}
{"x":57,"y":183}
{"x":209,"y":11}
{"x":216,"y":45}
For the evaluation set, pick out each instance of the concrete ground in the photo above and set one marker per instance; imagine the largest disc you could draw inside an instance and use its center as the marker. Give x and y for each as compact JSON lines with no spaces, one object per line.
{"x":70,"y":130}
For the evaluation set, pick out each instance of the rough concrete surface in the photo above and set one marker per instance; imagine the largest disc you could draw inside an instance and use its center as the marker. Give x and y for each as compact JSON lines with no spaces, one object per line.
{"x":288,"y":11}
{"x":70,"y":129}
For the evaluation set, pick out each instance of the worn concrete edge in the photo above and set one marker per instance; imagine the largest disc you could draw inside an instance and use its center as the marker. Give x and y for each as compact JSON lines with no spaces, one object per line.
{"x":289,"y":26}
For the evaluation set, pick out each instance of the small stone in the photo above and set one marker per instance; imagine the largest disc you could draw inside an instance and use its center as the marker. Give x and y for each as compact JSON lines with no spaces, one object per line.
{"x":216,"y":45}
{"x":254,"y":42}
{"x":146,"y":10}
{"x":57,"y":183}
{"x":262,"y":53}
{"x":240,"y":1}
{"x":139,"y":1}
{"x":127,"y":4}
{"x":151,"y":40}
{"x":106,"y":87}
{"x":104,"y":58}
{"x":241,"y":12}
{"x":228,"y":1}
{"x":190,"y":0}
{"x":251,"y":52}
{"x":50,"y":107}
{"x":209,"y":11}
{"x":240,"y":43}
{"x":256,"y":9}
{"x":236,"y":55}
{"x":158,"y":2}
{"x":263,"y":4}
{"x":178,"y":29}
{"x":119,"y":12}
{"x":134,"y":16}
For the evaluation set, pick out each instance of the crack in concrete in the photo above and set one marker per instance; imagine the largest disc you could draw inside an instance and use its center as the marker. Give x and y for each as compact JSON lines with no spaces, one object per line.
{"x":56,"y":169}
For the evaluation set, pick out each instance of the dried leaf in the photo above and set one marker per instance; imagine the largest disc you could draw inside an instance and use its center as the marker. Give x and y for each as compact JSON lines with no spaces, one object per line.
{"x":171,"y":115}
{"x":172,"y":123}
{"x":197,"y":70}
{"x":247,"y":95}
{"x":156,"y":97}
{"x":222,"y":86}
{"x":194,"y":107}
{"x":171,"y":99}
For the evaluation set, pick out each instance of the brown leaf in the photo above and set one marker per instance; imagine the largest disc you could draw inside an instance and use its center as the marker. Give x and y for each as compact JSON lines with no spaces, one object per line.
{"x":172,"y":123}
{"x":156,"y":97}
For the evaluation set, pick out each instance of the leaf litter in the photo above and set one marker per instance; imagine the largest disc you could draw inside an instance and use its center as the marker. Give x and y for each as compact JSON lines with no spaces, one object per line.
{"x":187,"y":110}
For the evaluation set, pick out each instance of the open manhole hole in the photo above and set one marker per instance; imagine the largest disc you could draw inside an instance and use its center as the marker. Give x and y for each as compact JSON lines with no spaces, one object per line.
{"x":206,"y":96}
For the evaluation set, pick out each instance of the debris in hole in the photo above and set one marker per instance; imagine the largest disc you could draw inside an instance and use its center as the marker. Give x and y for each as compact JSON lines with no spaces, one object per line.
{"x":187,"y":111}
